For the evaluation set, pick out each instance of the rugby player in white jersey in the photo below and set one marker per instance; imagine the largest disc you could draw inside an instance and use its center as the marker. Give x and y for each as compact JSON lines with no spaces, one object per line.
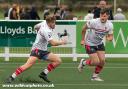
{"x":39,"y":50}
{"x":93,"y":42}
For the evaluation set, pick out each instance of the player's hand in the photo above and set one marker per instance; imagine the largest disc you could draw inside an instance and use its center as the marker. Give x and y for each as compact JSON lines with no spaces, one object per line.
{"x":109,"y":37}
{"x":82,"y":42}
{"x":64,"y":41}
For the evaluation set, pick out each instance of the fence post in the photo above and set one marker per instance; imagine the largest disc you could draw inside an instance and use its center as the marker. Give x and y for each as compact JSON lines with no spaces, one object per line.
{"x":6,"y":54}
{"x":74,"y":54}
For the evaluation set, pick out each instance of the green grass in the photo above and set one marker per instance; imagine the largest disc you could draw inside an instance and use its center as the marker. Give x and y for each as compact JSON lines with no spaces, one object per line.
{"x":66,"y":76}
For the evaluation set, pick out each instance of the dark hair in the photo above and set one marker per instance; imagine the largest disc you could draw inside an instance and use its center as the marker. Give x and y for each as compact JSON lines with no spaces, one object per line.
{"x":105,"y":10}
{"x":50,"y":18}
{"x":89,"y":11}
{"x":103,"y":0}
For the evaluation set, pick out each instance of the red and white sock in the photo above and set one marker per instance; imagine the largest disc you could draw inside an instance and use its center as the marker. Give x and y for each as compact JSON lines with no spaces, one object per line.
{"x":17,"y":72}
{"x":98,"y":69}
{"x":49,"y":68}
{"x":87,"y":62}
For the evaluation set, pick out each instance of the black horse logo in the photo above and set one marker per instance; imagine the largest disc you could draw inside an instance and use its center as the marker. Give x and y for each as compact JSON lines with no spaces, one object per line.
{"x":65,"y":33}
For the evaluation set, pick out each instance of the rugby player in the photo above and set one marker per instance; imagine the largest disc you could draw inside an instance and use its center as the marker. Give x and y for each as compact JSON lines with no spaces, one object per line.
{"x":93,"y":42}
{"x":39,"y":50}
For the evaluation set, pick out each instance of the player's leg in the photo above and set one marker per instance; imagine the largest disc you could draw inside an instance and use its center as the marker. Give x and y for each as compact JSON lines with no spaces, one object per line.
{"x":31,"y":60}
{"x":101,"y":56}
{"x":54,"y":62}
{"x":99,"y":67}
{"x":93,"y":58}
{"x":92,"y":61}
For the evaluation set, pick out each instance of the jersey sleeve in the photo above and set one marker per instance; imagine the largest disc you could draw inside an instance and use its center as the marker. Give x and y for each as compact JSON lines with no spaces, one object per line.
{"x":90,"y":24}
{"x":38,"y":26}
{"x":111,"y":29}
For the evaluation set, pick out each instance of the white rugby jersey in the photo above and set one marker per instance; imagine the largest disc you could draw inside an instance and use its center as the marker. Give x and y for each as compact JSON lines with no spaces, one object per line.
{"x":44,"y":35}
{"x":97,"y":31}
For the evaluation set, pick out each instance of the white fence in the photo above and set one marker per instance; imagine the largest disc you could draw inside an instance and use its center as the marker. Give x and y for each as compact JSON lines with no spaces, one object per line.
{"x":73,"y":55}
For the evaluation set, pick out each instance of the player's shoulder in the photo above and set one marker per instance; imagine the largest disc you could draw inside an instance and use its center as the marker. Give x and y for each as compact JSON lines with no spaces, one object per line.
{"x":43,"y":24}
{"x":109,"y":22}
{"x":92,"y":21}
{"x":95,"y":20}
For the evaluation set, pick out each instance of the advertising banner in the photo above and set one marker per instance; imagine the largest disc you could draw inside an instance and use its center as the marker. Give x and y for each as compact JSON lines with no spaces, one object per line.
{"x":22,"y":33}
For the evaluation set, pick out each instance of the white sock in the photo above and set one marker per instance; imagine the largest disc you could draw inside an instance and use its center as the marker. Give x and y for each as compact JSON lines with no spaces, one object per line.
{"x":95,"y":75}
{"x":46,"y":71}
{"x":84,"y":63}
{"x":14,"y":75}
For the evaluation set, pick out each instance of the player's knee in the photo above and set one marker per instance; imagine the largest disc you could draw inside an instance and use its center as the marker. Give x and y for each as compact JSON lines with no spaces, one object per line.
{"x":95,"y":62}
{"x":58,"y":61}
{"x":102,"y":62}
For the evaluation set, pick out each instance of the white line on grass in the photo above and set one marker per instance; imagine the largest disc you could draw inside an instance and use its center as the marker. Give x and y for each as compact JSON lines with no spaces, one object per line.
{"x":64,"y":63}
{"x":122,"y":85}
{"x":77,"y":84}
{"x":71,"y":67}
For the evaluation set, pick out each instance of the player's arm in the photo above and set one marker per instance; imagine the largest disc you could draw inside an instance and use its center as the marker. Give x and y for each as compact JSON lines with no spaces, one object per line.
{"x":52,"y":41}
{"x":37,"y":26}
{"x":56,"y":42}
{"x":83,"y":34}
{"x":109,"y":37}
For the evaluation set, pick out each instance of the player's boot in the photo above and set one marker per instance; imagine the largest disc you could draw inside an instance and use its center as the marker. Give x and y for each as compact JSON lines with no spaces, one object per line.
{"x":81,"y":66}
{"x":9,"y":80}
{"x":96,"y":79}
{"x":44,"y":77}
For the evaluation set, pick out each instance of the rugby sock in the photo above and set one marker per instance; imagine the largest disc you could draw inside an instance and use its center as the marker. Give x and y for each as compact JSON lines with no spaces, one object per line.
{"x":95,"y":75}
{"x":17,"y":72}
{"x":49,"y":68}
{"x":87,"y":62}
{"x":98,"y":69}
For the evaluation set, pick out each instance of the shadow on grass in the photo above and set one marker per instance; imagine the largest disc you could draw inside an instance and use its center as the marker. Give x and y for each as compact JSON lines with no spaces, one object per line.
{"x":29,"y":80}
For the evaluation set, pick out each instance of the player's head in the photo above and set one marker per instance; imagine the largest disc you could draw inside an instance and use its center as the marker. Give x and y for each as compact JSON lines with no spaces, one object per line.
{"x":102,"y":4}
{"x":14,"y":6}
{"x":51,"y":21}
{"x":104,"y":15}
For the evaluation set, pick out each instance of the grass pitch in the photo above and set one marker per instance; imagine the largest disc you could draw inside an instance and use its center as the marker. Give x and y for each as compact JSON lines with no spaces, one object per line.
{"x":66,"y":76}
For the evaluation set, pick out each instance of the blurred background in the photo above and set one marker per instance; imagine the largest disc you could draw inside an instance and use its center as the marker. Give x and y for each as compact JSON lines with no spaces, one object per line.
{"x":75,"y":9}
